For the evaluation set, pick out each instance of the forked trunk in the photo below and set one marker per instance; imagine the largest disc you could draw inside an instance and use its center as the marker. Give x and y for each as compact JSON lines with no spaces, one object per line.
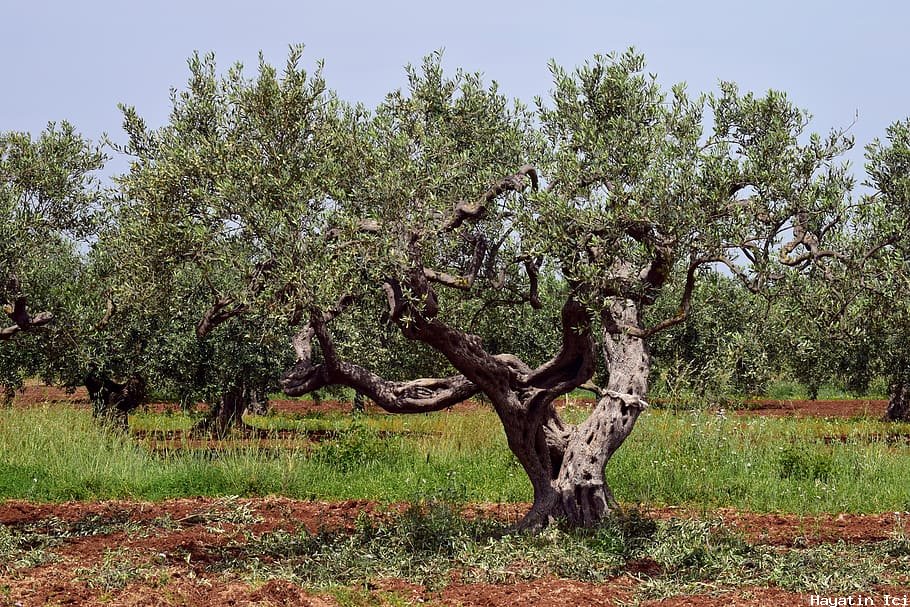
{"x":576,"y":490}
{"x":899,"y":403}
{"x":565,"y":464}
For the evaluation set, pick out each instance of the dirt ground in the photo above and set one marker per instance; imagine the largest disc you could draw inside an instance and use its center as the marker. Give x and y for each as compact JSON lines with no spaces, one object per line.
{"x":817,"y":408}
{"x":37,"y":394}
{"x":170,"y":559}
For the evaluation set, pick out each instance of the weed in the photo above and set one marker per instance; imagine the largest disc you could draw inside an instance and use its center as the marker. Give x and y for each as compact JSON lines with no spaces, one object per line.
{"x":355,"y":447}
{"x":19,"y":550}
{"x":117,"y":569}
{"x":797,"y":463}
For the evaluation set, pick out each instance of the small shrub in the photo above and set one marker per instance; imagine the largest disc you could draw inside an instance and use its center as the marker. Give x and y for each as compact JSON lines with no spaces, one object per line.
{"x":355,"y":447}
{"x":797,"y":464}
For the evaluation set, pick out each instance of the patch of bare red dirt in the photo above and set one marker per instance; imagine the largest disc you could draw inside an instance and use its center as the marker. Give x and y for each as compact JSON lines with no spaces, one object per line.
{"x":34,"y":394}
{"x":816,"y":408}
{"x":802,"y":530}
{"x":751,"y":597}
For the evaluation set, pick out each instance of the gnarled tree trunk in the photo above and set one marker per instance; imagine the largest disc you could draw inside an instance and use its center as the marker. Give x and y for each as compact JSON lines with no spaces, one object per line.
{"x":564,"y":463}
{"x":112,"y":401}
{"x":573,"y":488}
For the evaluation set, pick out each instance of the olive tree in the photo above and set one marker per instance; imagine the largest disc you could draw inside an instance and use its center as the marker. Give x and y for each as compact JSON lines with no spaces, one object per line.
{"x":194,"y":244}
{"x":448,"y":203}
{"x":48,"y":200}
{"x":622,"y":190}
{"x":876,"y":297}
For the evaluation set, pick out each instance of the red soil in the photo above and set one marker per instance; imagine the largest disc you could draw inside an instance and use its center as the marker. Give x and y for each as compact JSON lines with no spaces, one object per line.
{"x":178,"y":552}
{"x":37,"y":394}
{"x":174,"y":555}
{"x":817,"y":408}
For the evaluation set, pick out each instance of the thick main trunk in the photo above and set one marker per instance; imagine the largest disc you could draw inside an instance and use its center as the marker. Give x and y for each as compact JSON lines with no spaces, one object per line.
{"x":564,"y":464}
{"x":576,"y":490}
{"x":899,"y":403}
{"x":113,"y":401}
{"x":227,"y":412}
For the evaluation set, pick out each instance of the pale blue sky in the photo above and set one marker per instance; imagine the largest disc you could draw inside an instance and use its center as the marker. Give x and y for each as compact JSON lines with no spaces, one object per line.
{"x":77,"y":60}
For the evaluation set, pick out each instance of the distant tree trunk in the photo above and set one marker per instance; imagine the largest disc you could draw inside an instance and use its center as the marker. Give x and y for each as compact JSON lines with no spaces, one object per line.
{"x":812,"y":388}
{"x":113,"y":401}
{"x":899,"y":403}
{"x":359,"y":404}
{"x":259,"y":402}
{"x":227,"y":412}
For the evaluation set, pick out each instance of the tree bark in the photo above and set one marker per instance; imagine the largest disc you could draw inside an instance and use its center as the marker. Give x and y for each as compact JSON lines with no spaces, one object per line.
{"x":899,"y":403}
{"x":227,"y":412}
{"x":578,"y":492}
{"x":113,"y":401}
{"x":565,"y":464}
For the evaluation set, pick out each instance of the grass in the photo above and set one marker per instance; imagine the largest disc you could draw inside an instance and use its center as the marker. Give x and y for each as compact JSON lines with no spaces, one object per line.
{"x":690,"y":459}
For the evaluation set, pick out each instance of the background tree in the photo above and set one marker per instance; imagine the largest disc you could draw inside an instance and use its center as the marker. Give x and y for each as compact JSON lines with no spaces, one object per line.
{"x":48,"y":200}
{"x":879,"y":305}
{"x":722,"y":350}
{"x":200,"y":215}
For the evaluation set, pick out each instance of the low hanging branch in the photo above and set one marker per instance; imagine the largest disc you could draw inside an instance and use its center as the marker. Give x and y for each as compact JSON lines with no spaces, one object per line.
{"x":418,"y":396}
{"x":18,"y":313}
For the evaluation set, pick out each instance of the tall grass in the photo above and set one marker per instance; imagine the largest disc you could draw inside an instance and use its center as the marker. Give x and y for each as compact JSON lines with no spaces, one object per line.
{"x":691,"y":459}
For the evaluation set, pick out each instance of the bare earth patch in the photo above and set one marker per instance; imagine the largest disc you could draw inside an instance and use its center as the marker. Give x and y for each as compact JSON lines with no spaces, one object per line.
{"x":874,"y":409}
{"x":142,"y":553}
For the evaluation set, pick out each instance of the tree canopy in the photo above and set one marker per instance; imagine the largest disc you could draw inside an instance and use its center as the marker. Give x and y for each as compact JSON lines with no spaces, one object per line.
{"x":48,"y":202}
{"x":448,"y":243}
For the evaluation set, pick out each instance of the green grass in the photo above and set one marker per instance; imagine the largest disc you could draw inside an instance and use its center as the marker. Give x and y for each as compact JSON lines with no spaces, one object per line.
{"x":763,"y":464}
{"x":429,"y":544}
{"x":697,"y":459}
{"x":786,"y":389}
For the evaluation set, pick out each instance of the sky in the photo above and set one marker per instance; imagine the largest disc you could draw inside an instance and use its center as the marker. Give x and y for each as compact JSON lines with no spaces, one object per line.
{"x":845,"y":62}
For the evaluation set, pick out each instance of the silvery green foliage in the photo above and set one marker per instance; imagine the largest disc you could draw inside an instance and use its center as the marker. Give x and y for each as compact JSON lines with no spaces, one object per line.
{"x":874,"y":295}
{"x":49,"y":197}
{"x":451,"y":230}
